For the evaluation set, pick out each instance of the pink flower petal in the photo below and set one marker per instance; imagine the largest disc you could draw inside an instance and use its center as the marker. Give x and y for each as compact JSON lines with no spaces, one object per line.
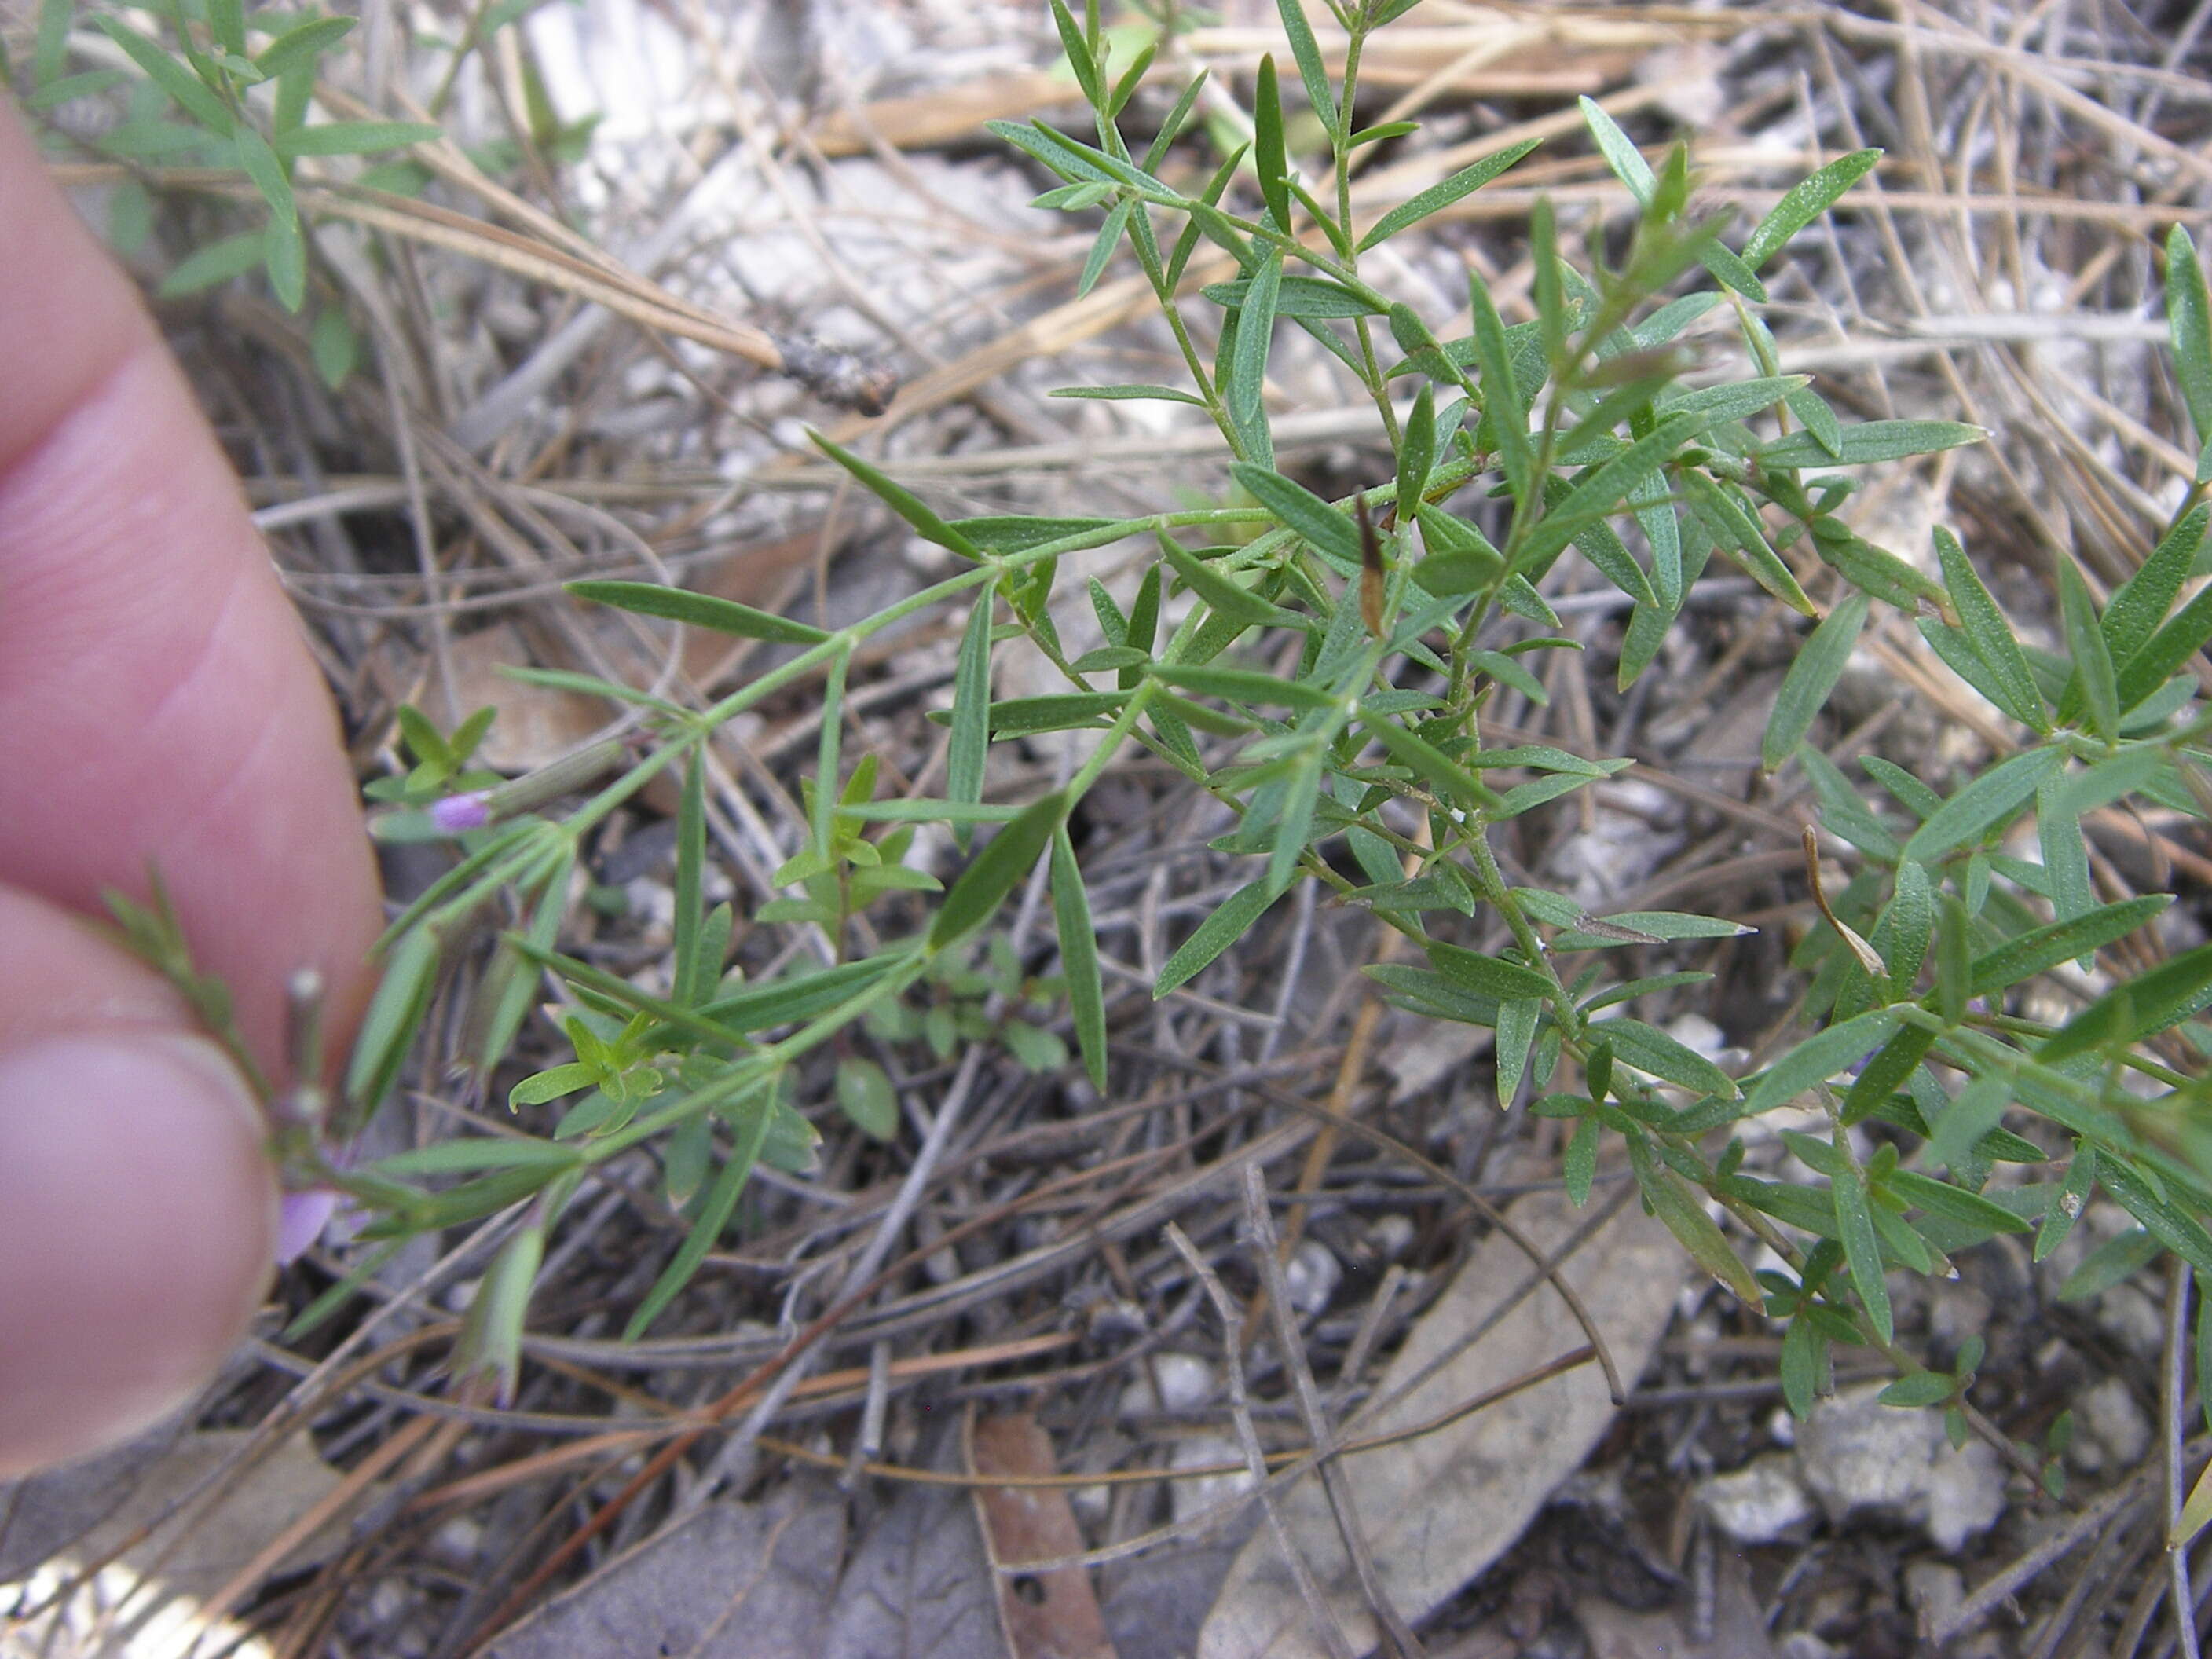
{"x":301,"y":1219}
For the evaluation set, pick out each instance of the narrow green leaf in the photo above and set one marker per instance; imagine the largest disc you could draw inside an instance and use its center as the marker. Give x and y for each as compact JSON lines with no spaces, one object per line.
{"x":1312,"y":69}
{"x":1078,"y":54}
{"x":1506,"y":415}
{"x":1680,"y":1209}
{"x":1267,"y":157}
{"x":1224,"y":596}
{"x":1255,"y":334}
{"x":1214,"y":935}
{"x":1916,"y":797}
{"x":1078,"y":956}
{"x":68,"y":88}
{"x":1820,"y":420}
{"x":227,"y":24}
{"x":1907,"y":925}
{"x":301,"y":44}
{"x":334,"y":345}
{"x":864,"y":1094}
{"x":550,"y":1084}
{"x":1650,"y":1049}
{"x":1820,"y":1058}
{"x":785,"y":1001}
{"x":699,"y":609}
{"x":490,"y":1340}
{"x":1102,"y":247}
{"x":1436,"y":197}
{"x":1954,"y":1203}
{"x":1172,"y":126}
{"x":50,"y":51}
{"x":1804,"y":203}
{"x":1329,"y":532}
{"x":1862,"y":1248}
{"x":217,"y":262}
{"x":1294,"y":825}
{"x":1988,"y":632}
{"x":1877,"y":570}
{"x":510,"y":987}
{"x":1978,"y":1109}
{"x":1886,"y":1073}
{"x":2129,"y":772}
{"x":970,"y":748}
{"x":901,"y":501}
{"x":1454,"y":782}
{"x":1125,"y":87}
{"x":1951,"y":645}
{"x":1417,"y":449}
{"x":2140,"y":603}
{"x":2164,"y":653}
{"x":1869,"y":441}
{"x":2189,"y":325}
{"x":1804,"y":1366}
{"x":1736,"y":529}
{"x":285,"y":255}
{"x":191,"y":95}
{"x":2141,"y":1008}
{"x":1517,"y":1019}
{"x":2066,"y":1200}
{"x":1578,"y":1167}
{"x":2117,"y":1260}
{"x":1300,"y":297}
{"x":1918,"y":1390}
{"x":2043,"y":948}
{"x":1245,"y":685}
{"x":355,"y":137}
{"x":2169,"y":1224}
{"x":714,"y":1216}
{"x":395,"y":1014}
{"x":690,"y":880}
{"x":1063,"y":711}
{"x":827,"y":767}
{"x":1166,"y":394}
{"x":1820,"y":664}
{"x":1488,"y":976}
{"x":1736,"y":400}
{"x":1982,"y":804}
{"x":996,"y":871}
{"x":476,"y":1153}
{"x":2085,"y":644}
{"x":1626,"y":161}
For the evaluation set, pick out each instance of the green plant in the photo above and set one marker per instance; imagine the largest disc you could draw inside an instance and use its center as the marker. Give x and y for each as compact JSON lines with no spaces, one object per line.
{"x":1328,"y":681}
{"x":211,"y":98}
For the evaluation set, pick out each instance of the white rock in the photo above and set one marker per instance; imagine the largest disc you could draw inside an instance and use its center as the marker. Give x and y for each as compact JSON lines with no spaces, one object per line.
{"x":1186,"y":1380}
{"x":1934,"y":1591}
{"x":1192,"y":1497}
{"x":1313,"y":1274}
{"x":1855,"y":1453}
{"x":2114,"y":1432}
{"x":1760,"y":1502}
{"x":1392,"y":1235}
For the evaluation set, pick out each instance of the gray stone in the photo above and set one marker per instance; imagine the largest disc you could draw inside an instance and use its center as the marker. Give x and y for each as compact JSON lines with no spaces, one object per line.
{"x":1855,"y":1453}
{"x":1760,"y":1502}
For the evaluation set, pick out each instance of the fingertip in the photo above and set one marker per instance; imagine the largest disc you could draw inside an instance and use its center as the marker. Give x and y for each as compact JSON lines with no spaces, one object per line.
{"x":137,"y":1224}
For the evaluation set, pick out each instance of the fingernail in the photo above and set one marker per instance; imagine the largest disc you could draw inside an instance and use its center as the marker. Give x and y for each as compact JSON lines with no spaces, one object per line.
{"x":137,"y":1223}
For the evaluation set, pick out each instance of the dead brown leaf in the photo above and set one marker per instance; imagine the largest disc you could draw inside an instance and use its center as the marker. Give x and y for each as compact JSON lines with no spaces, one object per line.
{"x":735,"y":1581}
{"x":1052,"y":1615}
{"x":1439,"y":1508}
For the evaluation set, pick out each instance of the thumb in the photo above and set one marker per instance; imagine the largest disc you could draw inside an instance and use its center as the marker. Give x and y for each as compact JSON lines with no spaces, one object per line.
{"x":137,"y":1206}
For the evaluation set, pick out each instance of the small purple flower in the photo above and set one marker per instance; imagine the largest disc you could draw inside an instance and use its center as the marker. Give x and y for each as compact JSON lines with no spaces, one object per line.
{"x":301,"y":1220}
{"x":458,"y":812}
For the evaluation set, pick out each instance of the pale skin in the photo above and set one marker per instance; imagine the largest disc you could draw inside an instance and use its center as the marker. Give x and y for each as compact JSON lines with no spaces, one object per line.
{"x":157,"y":700}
